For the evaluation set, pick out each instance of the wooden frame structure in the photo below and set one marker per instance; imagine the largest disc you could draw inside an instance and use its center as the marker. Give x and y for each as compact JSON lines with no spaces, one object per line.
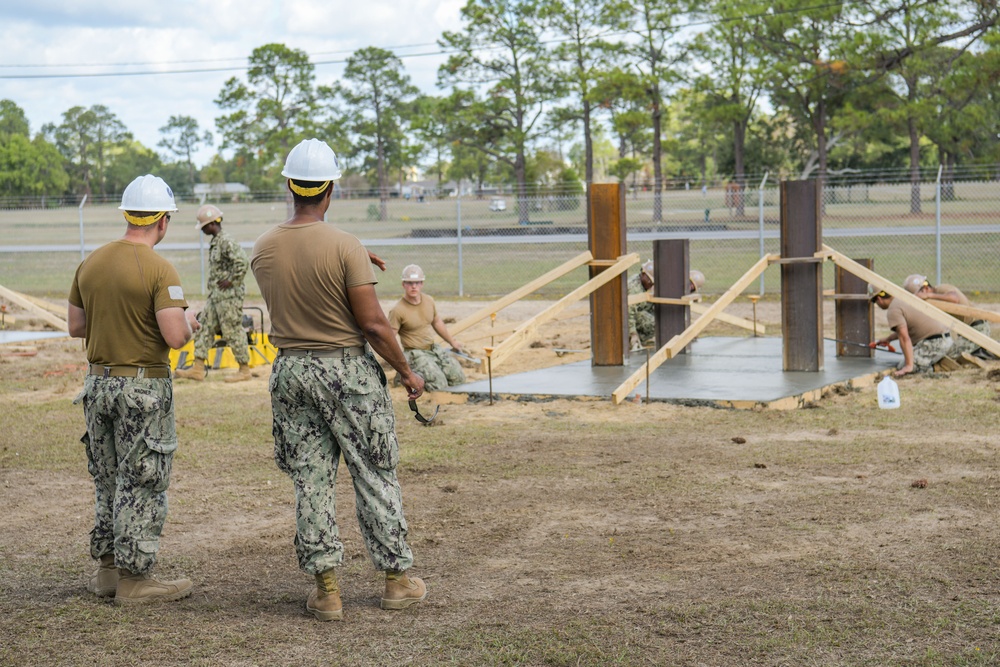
{"x":52,"y":315}
{"x":675,"y":344}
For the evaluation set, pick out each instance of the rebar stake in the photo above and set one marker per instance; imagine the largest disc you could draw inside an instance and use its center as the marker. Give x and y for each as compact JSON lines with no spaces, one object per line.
{"x":754,"y":298}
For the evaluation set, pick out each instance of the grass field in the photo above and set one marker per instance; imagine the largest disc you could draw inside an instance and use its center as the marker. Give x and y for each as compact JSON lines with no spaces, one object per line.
{"x":559,"y":533}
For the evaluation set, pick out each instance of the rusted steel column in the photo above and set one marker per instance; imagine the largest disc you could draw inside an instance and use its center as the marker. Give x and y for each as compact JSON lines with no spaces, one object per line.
{"x":801,"y":281}
{"x":609,"y":303}
{"x":854,"y":320}
{"x":671,"y":265}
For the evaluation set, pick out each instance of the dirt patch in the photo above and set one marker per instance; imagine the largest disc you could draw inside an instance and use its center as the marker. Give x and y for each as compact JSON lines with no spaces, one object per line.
{"x":555,"y":533}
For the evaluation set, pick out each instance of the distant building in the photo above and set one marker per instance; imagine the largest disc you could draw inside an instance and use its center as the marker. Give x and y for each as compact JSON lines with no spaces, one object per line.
{"x":231,"y":191}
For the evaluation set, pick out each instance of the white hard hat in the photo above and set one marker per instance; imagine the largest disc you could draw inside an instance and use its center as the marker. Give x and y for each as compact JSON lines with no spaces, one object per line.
{"x":312,"y":160}
{"x":413,"y":273}
{"x":647,"y":268}
{"x":697,"y":278}
{"x":148,"y":193}
{"x":207,"y":214}
{"x":914,"y":282}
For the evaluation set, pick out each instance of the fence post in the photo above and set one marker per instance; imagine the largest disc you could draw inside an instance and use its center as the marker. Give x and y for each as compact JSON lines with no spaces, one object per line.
{"x":82,"y":202}
{"x":937,"y":227}
{"x":458,"y":237}
{"x":760,"y":217}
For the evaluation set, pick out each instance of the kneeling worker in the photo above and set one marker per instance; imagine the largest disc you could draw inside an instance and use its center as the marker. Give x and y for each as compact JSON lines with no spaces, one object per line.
{"x":923,"y":340}
{"x":415,"y":319}
{"x":918,"y":285}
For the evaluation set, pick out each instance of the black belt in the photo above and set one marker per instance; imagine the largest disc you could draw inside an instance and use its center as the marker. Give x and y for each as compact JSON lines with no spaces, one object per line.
{"x":333,"y":352}
{"x":936,"y":336}
{"x":129,"y":371}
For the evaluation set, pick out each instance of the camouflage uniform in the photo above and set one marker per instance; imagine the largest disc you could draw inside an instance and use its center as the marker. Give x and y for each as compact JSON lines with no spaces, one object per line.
{"x":130,"y":443}
{"x":437,"y":366}
{"x":962,"y":344}
{"x":641,"y":321}
{"x":223,"y":312}
{"x":327,"y":407}
{"x":928,"y":352}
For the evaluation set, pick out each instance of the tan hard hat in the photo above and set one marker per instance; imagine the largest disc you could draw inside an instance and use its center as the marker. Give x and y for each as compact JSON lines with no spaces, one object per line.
{"x":647,"y":268}
{"x":413,"y":273}
{"x":914,"y":282}
{"x":208,"y":214}
{"x":697,"y":278}
{"x":875,"y":292}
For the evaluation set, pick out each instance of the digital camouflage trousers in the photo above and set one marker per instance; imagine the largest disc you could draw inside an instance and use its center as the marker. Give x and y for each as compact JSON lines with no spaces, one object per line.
{"x":325,"y":408}
{"x":223,"y":317}
{"x":437,"y":366}
{"x":130,"y":443}
{"x":926,"y":353}
{"x":964,"y":344}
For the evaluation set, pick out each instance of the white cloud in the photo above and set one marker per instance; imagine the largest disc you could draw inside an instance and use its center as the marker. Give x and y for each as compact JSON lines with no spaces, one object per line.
{"x":87,"y":37}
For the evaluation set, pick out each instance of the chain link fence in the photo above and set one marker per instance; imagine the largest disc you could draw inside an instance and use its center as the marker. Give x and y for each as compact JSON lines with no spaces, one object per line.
{"x":485,"y":246}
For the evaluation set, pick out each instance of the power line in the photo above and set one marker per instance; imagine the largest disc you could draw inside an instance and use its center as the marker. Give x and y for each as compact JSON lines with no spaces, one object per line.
{"x":84,"y":75}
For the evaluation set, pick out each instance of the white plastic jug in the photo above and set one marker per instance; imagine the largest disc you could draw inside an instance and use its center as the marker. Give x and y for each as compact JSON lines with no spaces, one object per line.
{"x":888,"y":394}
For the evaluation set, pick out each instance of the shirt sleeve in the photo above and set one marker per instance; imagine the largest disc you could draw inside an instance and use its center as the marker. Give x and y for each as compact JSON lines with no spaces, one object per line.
{"x":358,"y":267}
{"x":895,"y":318}
{"x":75,"y":298}
{"x":167,"y":292}
{"x":394,"y":322}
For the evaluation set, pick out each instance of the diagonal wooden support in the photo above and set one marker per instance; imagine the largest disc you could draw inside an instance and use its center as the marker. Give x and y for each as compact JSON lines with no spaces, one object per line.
{"x":897,"y":292}
{"x":41,"y":313}
{"x":959,"y":310}
{"x":526,"y":331}
{"x":521,"y":292}
{"x":700,"y":309}
{"x":677,"y":343}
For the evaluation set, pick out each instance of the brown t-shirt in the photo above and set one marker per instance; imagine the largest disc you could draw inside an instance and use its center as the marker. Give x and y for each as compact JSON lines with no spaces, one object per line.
{"x":918,"y":325}
{"x":413,"y":322}
{"x":963,"y":300}
{"x":303,"y":272}
{"x":120,"y":286}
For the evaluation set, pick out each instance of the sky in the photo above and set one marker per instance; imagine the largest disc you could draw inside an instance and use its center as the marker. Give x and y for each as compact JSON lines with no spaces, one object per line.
{"x":49,"y":39}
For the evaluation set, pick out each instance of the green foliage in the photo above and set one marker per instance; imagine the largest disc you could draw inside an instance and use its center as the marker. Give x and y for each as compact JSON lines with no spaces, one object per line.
{"x":30,"y":167}
{"x":269,"y":113}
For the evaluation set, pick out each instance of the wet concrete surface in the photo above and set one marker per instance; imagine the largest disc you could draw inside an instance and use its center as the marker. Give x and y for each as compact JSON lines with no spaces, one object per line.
{"x":732,"y":372}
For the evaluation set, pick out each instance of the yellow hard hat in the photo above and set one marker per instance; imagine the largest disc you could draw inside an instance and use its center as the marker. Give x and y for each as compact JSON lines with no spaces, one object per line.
{"x":208,"y":214}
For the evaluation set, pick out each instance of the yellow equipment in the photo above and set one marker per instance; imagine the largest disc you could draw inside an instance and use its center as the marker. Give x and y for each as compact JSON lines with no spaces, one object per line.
{"x":262,"y":353}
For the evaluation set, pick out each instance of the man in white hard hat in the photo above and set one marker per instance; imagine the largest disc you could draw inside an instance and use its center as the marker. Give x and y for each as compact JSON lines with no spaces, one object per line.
{"x":127,"y":301}
{"x":919,"y":286}
{"x":329,"y":396}
{"x":415,"y":319}
{"x":923,"y":340}
{"x":223,"y":311}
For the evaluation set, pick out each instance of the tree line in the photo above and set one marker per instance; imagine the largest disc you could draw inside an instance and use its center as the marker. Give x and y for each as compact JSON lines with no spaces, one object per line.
{"x":548,"y":93}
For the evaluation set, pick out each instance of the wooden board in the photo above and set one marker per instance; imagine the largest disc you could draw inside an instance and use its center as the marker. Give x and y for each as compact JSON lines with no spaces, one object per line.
{"x":524,"y":333}
{"x":520,"y":292}
{"x":24,"y":302}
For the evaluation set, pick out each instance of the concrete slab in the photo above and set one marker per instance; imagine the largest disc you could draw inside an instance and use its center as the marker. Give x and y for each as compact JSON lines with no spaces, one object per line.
{"x":718,"y":371}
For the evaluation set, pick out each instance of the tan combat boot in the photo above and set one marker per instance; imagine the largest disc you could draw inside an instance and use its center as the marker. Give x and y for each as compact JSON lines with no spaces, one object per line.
{"x":241,"y":375}
{"x":324,"y":601}
{"x":143,"y":588}
{"x":196,"y":372}
{"x":401,"y":591}
{"x":104,"y":583}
